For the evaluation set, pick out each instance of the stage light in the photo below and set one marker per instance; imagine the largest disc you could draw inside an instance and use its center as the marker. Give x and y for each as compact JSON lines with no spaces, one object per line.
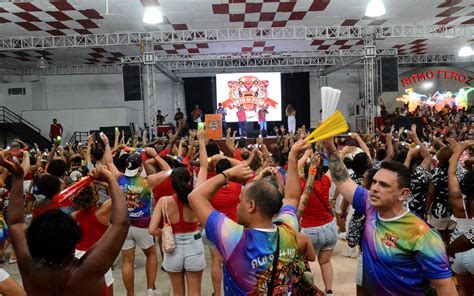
{"x":375,"y":8}
{"x":152,"y":15}
{"x":465,"y":51}
{"x":427,"y":85}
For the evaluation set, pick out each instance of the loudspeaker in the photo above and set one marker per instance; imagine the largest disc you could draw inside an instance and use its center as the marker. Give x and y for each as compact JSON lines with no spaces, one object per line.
{"x":389,"y":71}
{"x":132,"y":83}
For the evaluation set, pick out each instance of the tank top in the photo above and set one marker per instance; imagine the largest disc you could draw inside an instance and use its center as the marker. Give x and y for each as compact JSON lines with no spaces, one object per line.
{"x":182,"y":226}
{"x":92,"y":230}
{"x":462,"y":224}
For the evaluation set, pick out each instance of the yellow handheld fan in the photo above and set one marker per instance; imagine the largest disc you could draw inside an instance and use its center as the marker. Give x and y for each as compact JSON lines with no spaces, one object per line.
{"x":336,"y":124}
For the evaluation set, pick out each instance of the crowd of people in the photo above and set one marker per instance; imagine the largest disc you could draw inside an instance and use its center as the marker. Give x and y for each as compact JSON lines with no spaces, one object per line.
{"x":401,"y":197}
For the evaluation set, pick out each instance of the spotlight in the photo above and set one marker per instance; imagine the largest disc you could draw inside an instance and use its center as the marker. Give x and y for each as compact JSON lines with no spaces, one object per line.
{"x":465,"y":51}
{"x":152,"y":15}
{"x":375,"y":8}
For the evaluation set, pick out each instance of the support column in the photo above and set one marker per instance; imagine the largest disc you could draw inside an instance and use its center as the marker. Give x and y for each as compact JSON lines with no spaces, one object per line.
{"x":369,"y":83}
{"x":150,"y":90}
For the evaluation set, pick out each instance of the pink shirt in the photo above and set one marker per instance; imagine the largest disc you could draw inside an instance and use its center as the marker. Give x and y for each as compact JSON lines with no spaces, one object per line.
{"x":241,"y":115}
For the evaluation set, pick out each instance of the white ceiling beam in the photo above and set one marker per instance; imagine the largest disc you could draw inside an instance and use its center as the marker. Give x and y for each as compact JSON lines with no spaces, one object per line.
{"x":235,"y":34}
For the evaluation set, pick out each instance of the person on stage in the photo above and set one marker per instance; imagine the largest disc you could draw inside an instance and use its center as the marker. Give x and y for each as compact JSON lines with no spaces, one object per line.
{"x":242,"y":121}
{"x":222,"y":111}
{"x":160,"y":119}
{"x":178,"y":117}
{"x":262,"y":121}
{"x":197,"y":115}
{"x":291,"y":113}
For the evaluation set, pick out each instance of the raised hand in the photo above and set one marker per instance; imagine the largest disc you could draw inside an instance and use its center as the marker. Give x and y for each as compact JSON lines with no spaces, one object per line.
{"x":299,"y":147}
{"x":15,"y":168}
{"x":239,"y":173}
{"x":201,"y":134}
{"x":101,"y":173}
{"x":150,"y":151}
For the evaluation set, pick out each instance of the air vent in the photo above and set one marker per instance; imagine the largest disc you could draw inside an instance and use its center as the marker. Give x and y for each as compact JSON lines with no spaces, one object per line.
{"x":16,"y":91}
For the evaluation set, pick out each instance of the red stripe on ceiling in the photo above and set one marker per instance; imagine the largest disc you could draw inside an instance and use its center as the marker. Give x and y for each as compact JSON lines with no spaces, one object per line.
{"x":297,"y":15}
{"x":267,"y":16}
{"x":55,"y":32}
{"x":27,"y":6}
{"x":259,"y":44}
{"x":88,"y":24}
{"x":319,"y":5}
{"x":59,"y":15}
{"x":23,"y":59}
{"x":202,"y":45}
{"x":236,"y":1}
{"x":180,"y":27}
{"x":22,"y":53}
{"x":349,"y":22}
{"x":345,"y":47}
{"x":448,"y":3}
{"x":269,"y":48}
{"x":450,"y":11}
{"x":58,"y":25}
{"x":83,"y":31}
{"x":91,"y":14}
{"x":118,"y":54}
{"x":268,"y":1}
{"x":418,"y":41}
{"x":96,"y":55}
{"x":157,"y":47}
{"x":286,"y":6}
{"x":171,"y":52}
{"x":62,"y":5}
{"x":250,"y":24}
{"x":360,"y":42}
{"x":2,"y":10}
{"x":44,"y":52}
{"x":469,"y":22}
{"x":236,"y":17}
{"x":317,"y":42}
{"x":99,"y":49}
{"x":220,"y":8}
{"x":278,"y":24}
{"x":193,"y":50}
{"x":399,"y":46}
{"x":179,"y":46}
{"x":340,"y":42}
{"x":446,"y":20}
{"x":4,"y":20}
{"x":27,"y":16}
{"x":253,"y":7}
{"x":28,"y":26}
{"x":377,"y":22}
{"x":246,"y":49}
{"x":324,"y":47}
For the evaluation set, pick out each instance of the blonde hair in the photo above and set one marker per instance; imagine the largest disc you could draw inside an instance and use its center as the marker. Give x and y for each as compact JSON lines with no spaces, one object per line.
{"x":290,"y":110}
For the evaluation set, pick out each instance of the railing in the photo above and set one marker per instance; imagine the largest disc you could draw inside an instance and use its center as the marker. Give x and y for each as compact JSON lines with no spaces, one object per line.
{"x":8,"y":116}
{"x":78,"y":137}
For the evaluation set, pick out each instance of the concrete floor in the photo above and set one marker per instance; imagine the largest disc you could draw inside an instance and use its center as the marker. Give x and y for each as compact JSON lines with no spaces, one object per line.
{"x":344,"y":275}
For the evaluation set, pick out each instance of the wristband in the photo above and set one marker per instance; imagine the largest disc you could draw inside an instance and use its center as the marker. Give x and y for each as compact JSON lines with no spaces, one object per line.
{"x":312,"y":171}
{"x":226,"y":178}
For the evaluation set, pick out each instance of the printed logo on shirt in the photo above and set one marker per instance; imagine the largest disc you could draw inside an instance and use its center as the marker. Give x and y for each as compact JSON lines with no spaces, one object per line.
{"x":390,"y":241}
{"x":260,"y":261}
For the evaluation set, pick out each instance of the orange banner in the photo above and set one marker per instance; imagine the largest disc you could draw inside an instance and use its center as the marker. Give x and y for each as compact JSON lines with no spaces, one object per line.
{"x":214,"y":126}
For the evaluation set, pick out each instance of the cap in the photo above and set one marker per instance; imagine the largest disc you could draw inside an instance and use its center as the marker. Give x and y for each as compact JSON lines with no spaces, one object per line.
{"x":134,"y":161}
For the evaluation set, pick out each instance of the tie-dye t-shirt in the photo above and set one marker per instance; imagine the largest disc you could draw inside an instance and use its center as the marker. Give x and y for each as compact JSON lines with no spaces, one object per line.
{"x":138,"y":198}
{"x":400,"y":254}
{"x":248,"y":253}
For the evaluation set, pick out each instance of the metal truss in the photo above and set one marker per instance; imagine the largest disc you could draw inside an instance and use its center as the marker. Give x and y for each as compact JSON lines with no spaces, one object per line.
{"x":235,"y":34}
{"x":73,"y":70}
{"x":433,"y":59}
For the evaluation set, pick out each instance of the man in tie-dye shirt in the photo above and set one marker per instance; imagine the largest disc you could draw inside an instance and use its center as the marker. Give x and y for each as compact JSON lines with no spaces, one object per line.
{"x":248,"y":248}
{"x":402,"y":254}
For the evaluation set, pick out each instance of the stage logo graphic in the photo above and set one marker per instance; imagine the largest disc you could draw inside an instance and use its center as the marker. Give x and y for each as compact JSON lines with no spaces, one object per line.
{"x":249,"y":92}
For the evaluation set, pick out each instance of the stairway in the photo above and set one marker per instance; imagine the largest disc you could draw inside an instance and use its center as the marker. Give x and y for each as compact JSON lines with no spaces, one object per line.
{"x":13,"y":125}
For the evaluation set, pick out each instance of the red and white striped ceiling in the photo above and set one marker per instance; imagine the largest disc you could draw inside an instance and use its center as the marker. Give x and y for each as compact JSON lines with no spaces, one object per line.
{"x":56,"y":18}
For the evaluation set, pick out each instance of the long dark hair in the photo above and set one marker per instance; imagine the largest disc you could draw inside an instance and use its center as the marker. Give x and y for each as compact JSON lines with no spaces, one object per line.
{"x":181,"y":183}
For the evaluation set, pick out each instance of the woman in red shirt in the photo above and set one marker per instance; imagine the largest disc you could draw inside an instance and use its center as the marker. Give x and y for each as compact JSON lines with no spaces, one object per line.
{"x":317,"y":219}
{"x":93,"y":222}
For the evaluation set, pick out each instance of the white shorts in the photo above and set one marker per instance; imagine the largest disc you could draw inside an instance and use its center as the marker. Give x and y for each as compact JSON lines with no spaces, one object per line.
{"x":441,"y":224}
{"x":138,"y":236}
{"x":3,"y":275}
{"x":464,"y":262}
{"x":109,"y":278}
